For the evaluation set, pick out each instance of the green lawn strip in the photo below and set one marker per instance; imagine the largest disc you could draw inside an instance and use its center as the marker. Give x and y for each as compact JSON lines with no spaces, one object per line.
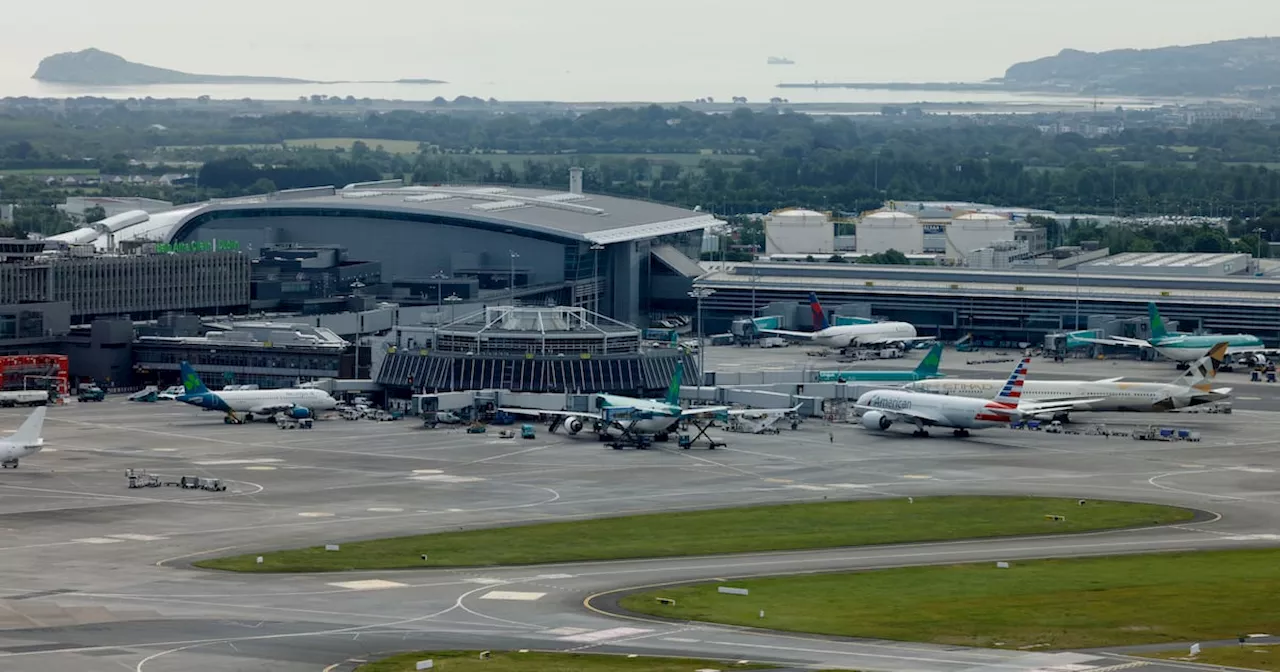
{"x":1250,"y":657}
{"x":499,"y":661}
{"x":1051,"y":604}
{"x":717,"y":531}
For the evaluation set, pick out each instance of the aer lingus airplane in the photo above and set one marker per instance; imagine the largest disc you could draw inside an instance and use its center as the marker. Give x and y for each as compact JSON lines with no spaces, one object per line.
{"x":633,"y":417}
{"x":925,"y":370}
{"x":241,"y":406}
{"x":23,"y":443}
{"x":1186,"y":347}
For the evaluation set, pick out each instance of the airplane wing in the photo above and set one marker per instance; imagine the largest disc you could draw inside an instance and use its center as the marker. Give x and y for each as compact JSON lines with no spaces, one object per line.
{"x":910,"y":415}
{"x":780,"y":411}
{"x":538,"y":412}
{"x":706,"y":410}
{"x":1056,"y":406}
{"x":1246,"y":350}
{"x":1110,"y":380}
{"x":784,"y":332}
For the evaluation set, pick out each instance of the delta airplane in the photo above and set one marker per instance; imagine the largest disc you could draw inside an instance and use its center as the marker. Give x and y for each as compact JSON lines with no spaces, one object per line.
{"x":1192,"y":388}
{"x":631,"y":416}
{"x":23,"y":443}
{"x":925,"y":370}
{"x":881,"y":408}
{"x":1185,"y":347}
{"x":851,"y":335}
{"x":300,"y":402}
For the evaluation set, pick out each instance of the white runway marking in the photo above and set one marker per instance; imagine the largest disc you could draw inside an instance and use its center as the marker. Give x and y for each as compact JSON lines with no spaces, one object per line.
{"x":446,"y":478}
{"x":1249,"y":398}
{"x":847,"y":486}
{"x":484,"y":581}
{"x":552,"y":577}
{"x":260,"y":467}
{"x":384,"y":509}
{"x":564,"y":632}
{"x":258,"y":460}
{"x":165,"y":450}
{"x":427,"y":471}
{"x":99,"y":540}
{"x":511,"y":595}
{"x":919,"y":476}
{"x":808,"y":487}
{"x":315,"y":514}
{"x":604,"y":635}
{"x":368,"y":584}
{"x":1255,"y":470}
{"x":136,"y":537}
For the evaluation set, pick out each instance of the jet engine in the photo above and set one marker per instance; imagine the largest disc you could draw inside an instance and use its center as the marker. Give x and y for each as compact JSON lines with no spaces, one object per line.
{"x":299,"y":412}
{"x":875,"y":420}
{"x":573,"y":424}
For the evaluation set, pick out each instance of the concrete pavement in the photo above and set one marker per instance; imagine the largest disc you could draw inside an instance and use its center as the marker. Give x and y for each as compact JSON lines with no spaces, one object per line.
{"x":96,"y":576}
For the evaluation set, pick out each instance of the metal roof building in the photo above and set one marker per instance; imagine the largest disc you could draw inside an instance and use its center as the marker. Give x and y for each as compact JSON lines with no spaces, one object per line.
{"x":615,"y":255}
{"x":1026,"y":305}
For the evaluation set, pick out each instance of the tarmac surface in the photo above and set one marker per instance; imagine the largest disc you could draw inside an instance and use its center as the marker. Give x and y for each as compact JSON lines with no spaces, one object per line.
{"x":95,"y":577}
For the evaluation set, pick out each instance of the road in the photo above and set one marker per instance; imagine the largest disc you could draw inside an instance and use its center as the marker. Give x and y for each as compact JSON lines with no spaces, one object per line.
{"x":96,"y":575}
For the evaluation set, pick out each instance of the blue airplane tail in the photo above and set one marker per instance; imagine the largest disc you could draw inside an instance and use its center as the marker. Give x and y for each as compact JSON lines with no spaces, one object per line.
{"x":190,"y":381}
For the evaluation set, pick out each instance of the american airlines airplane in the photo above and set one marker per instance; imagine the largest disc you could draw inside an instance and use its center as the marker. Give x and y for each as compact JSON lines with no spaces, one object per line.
{"x":23,"y":443}
{"x":1192,"y":388}
{"x":242,"y":406}
{"x":851,"y":335}
{"x":881,"y":408}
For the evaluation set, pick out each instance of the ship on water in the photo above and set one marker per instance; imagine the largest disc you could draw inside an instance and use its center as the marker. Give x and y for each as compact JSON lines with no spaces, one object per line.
{"x":777,"y":60}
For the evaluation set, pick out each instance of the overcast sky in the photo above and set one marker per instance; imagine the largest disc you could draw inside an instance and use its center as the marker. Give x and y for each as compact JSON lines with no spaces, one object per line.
{"x":851,"y":39}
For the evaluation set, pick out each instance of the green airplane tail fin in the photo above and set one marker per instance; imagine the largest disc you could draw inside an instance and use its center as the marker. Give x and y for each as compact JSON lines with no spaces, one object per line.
{"x":1157,"y":323}
{"x":673,"y":390}
{"x":928,"y":367}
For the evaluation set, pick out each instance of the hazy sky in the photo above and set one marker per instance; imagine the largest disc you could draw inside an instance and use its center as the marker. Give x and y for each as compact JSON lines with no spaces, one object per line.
{"x":851,"y":39}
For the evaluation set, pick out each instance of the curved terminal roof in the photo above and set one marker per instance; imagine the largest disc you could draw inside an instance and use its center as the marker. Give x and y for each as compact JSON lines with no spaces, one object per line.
{"x":541,"y":212}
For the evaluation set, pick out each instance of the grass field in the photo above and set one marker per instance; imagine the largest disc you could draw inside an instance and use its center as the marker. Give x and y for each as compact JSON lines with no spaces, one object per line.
{"x":1249,"y":657}
{"x":42,"y":172}
{"x":735,"y":530}
{"x":1055,"y":604}
{"x":500,"y":661}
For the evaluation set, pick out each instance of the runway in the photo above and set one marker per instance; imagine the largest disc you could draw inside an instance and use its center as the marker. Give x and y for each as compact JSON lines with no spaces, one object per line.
{"x":96,"y":575}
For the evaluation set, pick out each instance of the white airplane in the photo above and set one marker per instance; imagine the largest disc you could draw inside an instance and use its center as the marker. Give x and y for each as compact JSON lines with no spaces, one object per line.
{"x":23,"y":443}
{"x":880,"y":409}
{"x":300,"y":402}
{"x":633,"y":417}
{"x":852,"y":335}
{"x":1192,"y":388}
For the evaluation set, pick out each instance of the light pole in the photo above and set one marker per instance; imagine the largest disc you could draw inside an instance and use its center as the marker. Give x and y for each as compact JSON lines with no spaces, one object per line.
{"x":453,"y":300}
{"x":699,"y":294}
{"x":1077,"y":296}
{"x":1258,"y":233}
{"x":514,"y":256}
{"x":595,"y":277}
{"x":356,"y":286}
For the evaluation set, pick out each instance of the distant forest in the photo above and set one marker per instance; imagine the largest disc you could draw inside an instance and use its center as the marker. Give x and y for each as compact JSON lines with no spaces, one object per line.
{"x":737,"y":163}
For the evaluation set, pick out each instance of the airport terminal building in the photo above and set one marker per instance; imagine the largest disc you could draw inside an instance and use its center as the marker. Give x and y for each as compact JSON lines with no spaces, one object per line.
{"x":1008,"y":305}
{"x":616,"y":256}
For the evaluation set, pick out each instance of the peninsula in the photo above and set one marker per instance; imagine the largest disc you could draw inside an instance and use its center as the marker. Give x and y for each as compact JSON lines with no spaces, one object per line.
{"x":1245,"y":68}
{"x":94,"y":67}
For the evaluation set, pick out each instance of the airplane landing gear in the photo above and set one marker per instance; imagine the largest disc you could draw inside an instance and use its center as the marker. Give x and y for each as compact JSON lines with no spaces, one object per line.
{"x":961,"y":433}
{"x":9,"y":464}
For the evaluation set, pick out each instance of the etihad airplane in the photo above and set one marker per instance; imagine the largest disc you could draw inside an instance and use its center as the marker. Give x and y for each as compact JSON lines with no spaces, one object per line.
{"x":881,"y":408}
{"x":23,"y":443}
{"x":844,"y":336}
{"x":1192,"y":388}
{"x":241,"y":406}
{"x":925,"y":370}
{"x":631,"y":416}
{"x":1185,"y":347}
